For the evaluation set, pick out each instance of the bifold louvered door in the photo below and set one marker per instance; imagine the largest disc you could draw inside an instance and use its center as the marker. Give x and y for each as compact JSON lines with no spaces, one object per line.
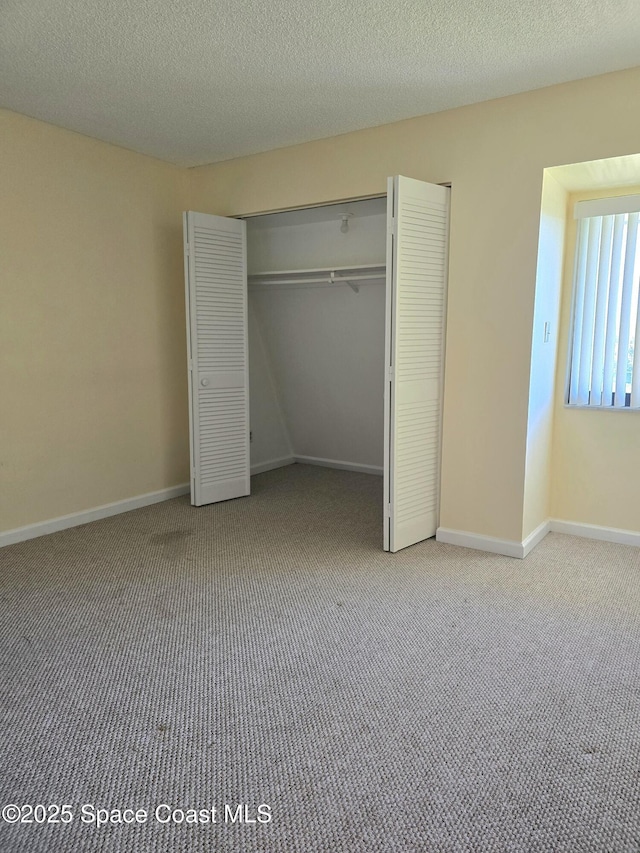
{"x":216,"y":293}
{"x":417,"y":249}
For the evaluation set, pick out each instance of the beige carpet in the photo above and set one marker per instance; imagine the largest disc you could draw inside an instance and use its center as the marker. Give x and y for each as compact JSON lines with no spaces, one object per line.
{"x":266,"y":651}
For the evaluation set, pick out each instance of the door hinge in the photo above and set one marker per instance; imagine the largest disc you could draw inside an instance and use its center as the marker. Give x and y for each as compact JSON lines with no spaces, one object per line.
{"x":391,"y":373}
{"x":392,"y":226}
{"x":186,"y":249}
{"x":190,"y":364}
{"x":387,"y":510}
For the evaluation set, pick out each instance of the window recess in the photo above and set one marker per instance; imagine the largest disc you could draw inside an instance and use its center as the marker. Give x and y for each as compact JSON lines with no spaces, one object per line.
{"x":604,"y":365}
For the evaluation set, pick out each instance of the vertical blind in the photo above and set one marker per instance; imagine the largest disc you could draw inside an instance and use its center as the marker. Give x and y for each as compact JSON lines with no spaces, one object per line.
{"x":604,"y":368}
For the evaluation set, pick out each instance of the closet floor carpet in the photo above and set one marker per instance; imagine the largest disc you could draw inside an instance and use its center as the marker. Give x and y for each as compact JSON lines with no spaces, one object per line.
{"x":266,"y":651}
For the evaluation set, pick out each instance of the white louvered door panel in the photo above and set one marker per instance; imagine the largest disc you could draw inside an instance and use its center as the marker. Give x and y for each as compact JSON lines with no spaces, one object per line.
{"x":417,"y":250}
{"x":216,"y":291}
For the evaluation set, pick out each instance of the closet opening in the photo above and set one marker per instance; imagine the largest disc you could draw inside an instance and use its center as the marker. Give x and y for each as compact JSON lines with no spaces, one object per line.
{"x":316,"y":320}
{"x":316,"y":337}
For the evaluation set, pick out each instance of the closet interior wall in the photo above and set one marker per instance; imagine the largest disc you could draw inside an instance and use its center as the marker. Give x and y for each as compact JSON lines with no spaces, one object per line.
{"x":316,"y":351}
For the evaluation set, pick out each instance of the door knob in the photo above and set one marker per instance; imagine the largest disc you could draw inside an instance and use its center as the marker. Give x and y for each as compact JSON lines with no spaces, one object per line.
{"x":204,"y":382}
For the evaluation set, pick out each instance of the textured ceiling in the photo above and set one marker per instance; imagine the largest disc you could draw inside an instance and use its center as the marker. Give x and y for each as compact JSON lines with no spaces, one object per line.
{"x":209,"y":80}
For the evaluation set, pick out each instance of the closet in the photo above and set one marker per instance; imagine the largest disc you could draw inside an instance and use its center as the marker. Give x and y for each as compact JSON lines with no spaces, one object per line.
{"x":317,"y":336}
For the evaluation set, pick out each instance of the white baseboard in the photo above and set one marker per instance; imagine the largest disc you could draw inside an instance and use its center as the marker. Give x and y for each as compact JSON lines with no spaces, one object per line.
{"x":507,"y":547}
{"x":343,"y":466}
{"x":53,"y":525}
{"x":512,"y":548}
{"x":535,"y":537}
{"x":272,"y":464}
{"x":595,"y":531}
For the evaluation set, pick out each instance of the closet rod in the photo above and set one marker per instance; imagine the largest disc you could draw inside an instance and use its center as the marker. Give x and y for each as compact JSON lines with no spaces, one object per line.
{"x":313,"y":280}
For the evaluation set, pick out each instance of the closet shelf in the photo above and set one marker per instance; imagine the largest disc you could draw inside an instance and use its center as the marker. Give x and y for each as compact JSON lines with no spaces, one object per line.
{"x":352,"y":276}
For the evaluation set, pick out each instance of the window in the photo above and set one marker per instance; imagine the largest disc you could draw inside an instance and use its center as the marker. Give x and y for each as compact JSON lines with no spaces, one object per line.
{"x":603,"y":369}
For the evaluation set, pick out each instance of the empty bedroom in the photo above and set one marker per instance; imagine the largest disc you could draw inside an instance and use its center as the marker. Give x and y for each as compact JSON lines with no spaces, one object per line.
{"x":319,"y":427}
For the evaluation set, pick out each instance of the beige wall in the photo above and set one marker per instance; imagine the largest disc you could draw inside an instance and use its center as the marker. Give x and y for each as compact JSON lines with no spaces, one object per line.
{"x":542,"y":376}
{"x":92,"y":335}
{"x":596,"y":454}
{"x":494,"y":154}
{"x":93,"y":382}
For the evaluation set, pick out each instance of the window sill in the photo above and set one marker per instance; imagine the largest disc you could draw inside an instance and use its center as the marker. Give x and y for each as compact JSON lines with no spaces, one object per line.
{"x":601,"y":408}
